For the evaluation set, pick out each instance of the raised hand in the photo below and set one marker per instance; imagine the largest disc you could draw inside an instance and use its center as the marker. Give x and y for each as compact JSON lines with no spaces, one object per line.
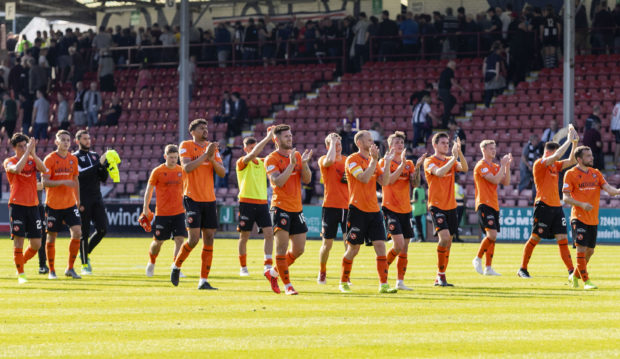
{"x":403,"y":156}
{"x":374,"y":152}
{"x":270,"y":131}
{"x":456,"y":148}
{"x":389,"y":156}
{"x":292,"y":157}
{"x":211,"y":150}
{"x":505,"y":160}
{"x":31,"y":147}
{"x":305,"y":157}
{"x":509,"y":159}
{"x":420,"y":161}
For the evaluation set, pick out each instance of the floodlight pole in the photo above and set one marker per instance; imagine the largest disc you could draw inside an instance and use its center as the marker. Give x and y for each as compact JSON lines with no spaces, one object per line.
{"x":569,"y":62}
{"x":184,"y":71}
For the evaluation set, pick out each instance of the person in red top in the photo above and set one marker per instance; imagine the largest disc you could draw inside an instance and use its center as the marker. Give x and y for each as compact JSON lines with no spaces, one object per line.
{"x":253,"y":207}
{"x":549,"y":220}
{"x":335,"y":199}
{"x":364,"y":220}
{"x":199,"y":160}
{"x":396,"y":205}
{"x":167,"y":180}
{"x":21,"y":171}
{"x":487,"y":175}
{"x":582,"y":189}
{"x":62,"y":201}
{"x":287,"y":169}
{"x":440,"y":170}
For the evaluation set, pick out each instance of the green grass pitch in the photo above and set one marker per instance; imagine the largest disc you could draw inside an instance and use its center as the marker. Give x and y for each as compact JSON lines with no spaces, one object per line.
{"x":118,"y":312}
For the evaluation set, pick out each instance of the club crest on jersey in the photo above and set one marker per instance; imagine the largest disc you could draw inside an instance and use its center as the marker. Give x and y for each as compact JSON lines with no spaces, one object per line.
{"x":83,"y":158}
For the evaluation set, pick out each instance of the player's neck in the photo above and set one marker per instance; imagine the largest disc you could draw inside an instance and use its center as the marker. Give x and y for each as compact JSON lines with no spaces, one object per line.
{"x":582,"y":167}
{"x":487,"y":159}
{"x":62,"y":153}
{"x":397,"y":157}
{"x":365,"y":154}
{"x":283,"y":152}
{"x":440,"y":156}
{"x":199,"y":142}
{"x":171,"y":166}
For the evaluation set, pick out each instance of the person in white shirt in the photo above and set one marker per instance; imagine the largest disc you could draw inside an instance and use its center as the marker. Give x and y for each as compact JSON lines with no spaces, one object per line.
{"x":92,"y":104}
{"x":615,"y":129}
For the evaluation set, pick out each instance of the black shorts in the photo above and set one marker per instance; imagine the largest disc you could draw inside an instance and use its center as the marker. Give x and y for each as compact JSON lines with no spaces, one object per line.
{"x":331,"y":218}
{"x":291,"y":222}
{"x":617,"y":135}
{"x":488,"y":218}
{"x":398,"y":223}
{"x":444,"y":220}
{"x":200,"y":214}
{"x":167,"y":227}
{"x":584,"y":234}
{"x":550,"y":41}
{"x":25,"y":221}
{"x":93,"y":212}
{"x":57,"y":218}
{"x":252,"y":212}
{"x":548,"y":221}
{"x":364,"y":227}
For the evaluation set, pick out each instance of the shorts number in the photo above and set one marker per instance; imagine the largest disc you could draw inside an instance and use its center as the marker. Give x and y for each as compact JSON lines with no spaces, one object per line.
{"x":76,"y":212}
{"x":38,"y":224}
{"x":302,"y":219}
{"x":563,"y":222}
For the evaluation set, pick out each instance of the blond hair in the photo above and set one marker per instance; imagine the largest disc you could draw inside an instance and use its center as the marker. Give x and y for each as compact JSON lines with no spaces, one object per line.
{"x":485,"y":143}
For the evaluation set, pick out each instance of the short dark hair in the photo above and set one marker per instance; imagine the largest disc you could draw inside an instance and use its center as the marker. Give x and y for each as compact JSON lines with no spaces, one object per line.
{"x":551,"y":145}
{"x":579,"y":151}
{"x":385,"y":12}
{"x":362,"y":14}
{"x":438,"y":136}
{"x":171,"y":149}
{"x":281,"y":128}
{"x":81,"y":133}
{"x":249,"y":141}
{"x":197,"y":122}
{"x":18,"y":137}
{"x":397,"y":134}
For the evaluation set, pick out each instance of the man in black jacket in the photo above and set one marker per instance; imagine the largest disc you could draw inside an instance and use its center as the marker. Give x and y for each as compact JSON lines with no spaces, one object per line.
{"x":93,"y":171}
{"x":239,"y":115}
{"x":388,"y":33}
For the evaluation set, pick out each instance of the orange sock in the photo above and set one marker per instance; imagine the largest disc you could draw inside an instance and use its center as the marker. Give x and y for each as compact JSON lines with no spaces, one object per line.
{"x":207,"y":258}
{"x":346,"y":270}
{"x":576,"y":272}
{"x":74,"y":249}
{"x":447,"y":259}
{"x":290,"y":258}
{"x":282,"y":265}
{"x":50,"y":251}
{"x":402,"y":265}
{"x":268,"y":262}
{"x":29,"y":254}
{"x":484,"y":245}
{"x":153,"y":257}
{"x":441,"y":259}
{"x":489,"y":253}
{"x":382,"y":269}
{"x":527,"y":252}
{"x":182,"y":256}
{"x":243,"y":260}
{"x":391,"y":256}
{"x":18,"y":258}
{"x":565,"y":254}
{"x":323,"y":268}
{"x":582,"y":266}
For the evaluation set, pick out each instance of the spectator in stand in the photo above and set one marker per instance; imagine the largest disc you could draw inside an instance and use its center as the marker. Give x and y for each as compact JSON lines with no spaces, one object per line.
{"x":238,"y":116}
{"x":23,"y":45}
{"x":79,"y":109}
{"x":446,"y":82}
{"x":595,"y":116}
{"x":78,"y":66}
{"x":225,"y":112}
{"x":5,"y":74}
{"x":17,"y":76}
{"x":493,"y":29}
{"x":35,"y":51}
{"x":377,"y":134}
{"x":422,"y":119}
{"x":64,"y":58}
{"x":616,"y":16}
{"x":11,"y":42}
{"x":37,"y":78}
{"x":102,"y":41}
{"x":144,"y":78}
{"x":615,"y":129}
{"x":550,"y":32}
{"x":449,"y":28}
{"x":208,"y":50}
{"x":492,"y":70}
{"x":222,"y":40}
{"x":93,"y":103}
{"x":582,"y":45}
{"x":361,"y":34}
{"x":62,"y":112}
{"x":458,"y":133}
{"x":548,"y":134}
{"x":521,"y":48}
{"x":347,"y":138}
{"x":592,"y":138}
{"x":531,"y":152}
{"x":105,"y":72}
{"x":468,"y":37}
{"x":26,"y":103}
{"x":409,"y":31}
{"x":168,"y":39}
{"x":8,"y":114}
{"x":308,"y":188}
{"x":373,"y":32}
{"x":506,"y":18}
{"x":388,"y":31}
{"x":267,"y":37}
{"x":40,"y":115}
{"x":603,"y":30}
{"x":250,"y":43}
{"x":113,"y":114}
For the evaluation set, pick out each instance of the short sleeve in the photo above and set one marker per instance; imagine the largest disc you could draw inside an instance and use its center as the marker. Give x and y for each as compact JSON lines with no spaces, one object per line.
{"x":218,"y":158}
{"x":271,"y":165}
{"x":184,"y":150}
{"x":49,"y":166}
{"x":428,"y":167}
{"x":353,"y":168}
{"x":76,"y":171}
{"x":153,"y":178}
{"x":567,"y":186}
{"x":601,"y":179}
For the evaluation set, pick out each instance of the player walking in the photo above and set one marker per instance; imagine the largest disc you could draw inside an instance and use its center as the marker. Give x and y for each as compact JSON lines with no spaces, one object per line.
{"x":440,"y":170}
{"x":287,"y":169}
{"x":487,"y":175}
{"x":582,"y":189}
{"x":167,"y":180}
{"x":199,"y":160}
{"x":62,"y":201}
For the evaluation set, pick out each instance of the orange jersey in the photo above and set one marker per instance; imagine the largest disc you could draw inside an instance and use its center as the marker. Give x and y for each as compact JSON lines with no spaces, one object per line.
{"x":546,"y":181}
{"x":168,"y":185}
{"x":584,"y":187}
{"x":198,"y":184}
{"x":486,"y":192}
{"x":335,"y":183}
{"x":287,"y":197}
{"x":24,"y":184}
{"x":397,"y":196}
{"x":440,"y":189}
{"x":60,"y":169}
{"x":362,"y":196}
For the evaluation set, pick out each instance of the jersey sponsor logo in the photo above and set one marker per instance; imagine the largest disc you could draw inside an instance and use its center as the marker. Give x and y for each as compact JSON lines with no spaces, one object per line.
{"x":283,"y":214}
{"x":17,"y":221}
{"x":50,"y":218}
{"x":159,"y":226}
